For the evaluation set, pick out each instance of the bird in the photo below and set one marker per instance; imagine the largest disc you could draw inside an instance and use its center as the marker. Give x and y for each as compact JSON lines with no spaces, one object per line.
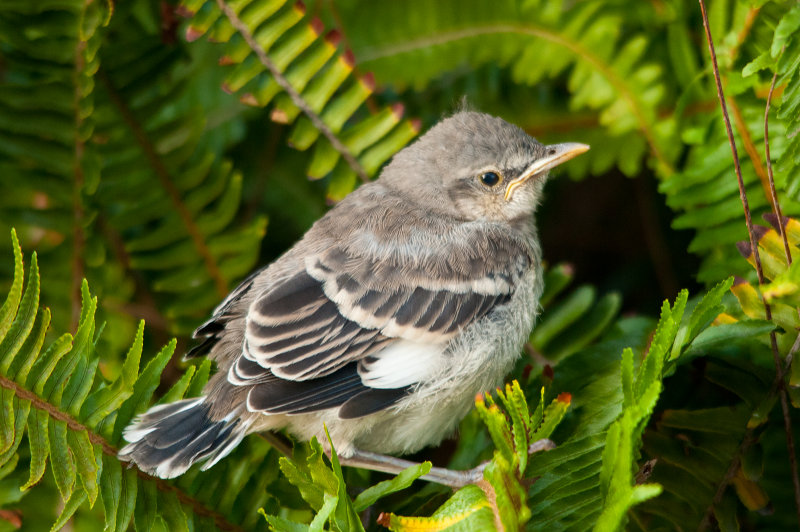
{"x":410,"y":296}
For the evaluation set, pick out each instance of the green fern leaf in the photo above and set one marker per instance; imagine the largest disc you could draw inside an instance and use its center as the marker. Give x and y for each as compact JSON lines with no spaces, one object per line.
{"x":278,"y":56}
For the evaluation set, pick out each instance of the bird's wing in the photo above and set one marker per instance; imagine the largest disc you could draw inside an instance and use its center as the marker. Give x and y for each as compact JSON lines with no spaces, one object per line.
{"x":315,"y":340}
{"x":346,"y":304}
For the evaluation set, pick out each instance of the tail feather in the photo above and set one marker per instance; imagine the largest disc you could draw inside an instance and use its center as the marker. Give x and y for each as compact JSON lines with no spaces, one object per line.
{"x":167,"y":439}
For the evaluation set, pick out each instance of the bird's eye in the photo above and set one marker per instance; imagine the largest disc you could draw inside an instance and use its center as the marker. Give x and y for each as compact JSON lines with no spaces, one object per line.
{"x":490,"y":179}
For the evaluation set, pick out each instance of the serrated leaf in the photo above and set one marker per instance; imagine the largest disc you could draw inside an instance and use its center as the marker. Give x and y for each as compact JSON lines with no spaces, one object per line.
{"x":467,"y":510}
{"x":21,"y":413}
{"x":61,"y":458}
{"x":281,"y":524}
{"x":39,"y":442}
{"x":142,"y":390}
{"x":328,"y":506}
{"x":728,"y":333}
{"x":144,"y":514}
{"x":495,"y":422}
{"x":344,"y":517}
{"x":404,"y":479}
{"x":10,"y":305}
{"x":107,"y":399}
{"x":708,"y":309}
{"x":626,"y":372}
{"x":44,"y":365}
{"x":7,"y":421}
{"x":553,"y":415}
{"x":70,"y":507}
{"x":111,"y":490}
{"x":24,"y":320}
{"x":30,"y":351}
{"x":87,"y":467}
{"x":200,"y":379}
{"x":177,"y":391}
{"x":127,"y":500}
{"x":311,"y":493}
{"x":82,"y":347}
{"x":517,"y":409}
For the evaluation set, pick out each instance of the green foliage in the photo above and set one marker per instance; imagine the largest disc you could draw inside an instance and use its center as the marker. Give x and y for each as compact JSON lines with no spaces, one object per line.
{"x":781,"y":58}
{"x":501,"y":500}
{"x":614,"y":56}
{"x":176,"y":213}
{"x":322,"y":486}
{"x":577,"y":319}
{"x":138,"y":156}
{"x":301,"y":71}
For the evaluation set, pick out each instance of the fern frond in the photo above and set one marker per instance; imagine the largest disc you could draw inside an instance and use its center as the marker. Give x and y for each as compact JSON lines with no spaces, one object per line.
{"x":575,"y":320}
{"x":71,"y":418}
{"x":588,"y":478}
{"x":278,"y":56}
{"x":707,"y":199}
{"x":781,"y":57}
{"x":48,"y":167}
{"x":607,"y":72}
{"x":171,"y":201}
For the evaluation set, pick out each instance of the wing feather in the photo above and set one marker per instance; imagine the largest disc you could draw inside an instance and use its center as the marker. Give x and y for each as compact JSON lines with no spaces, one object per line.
{"x":312,"y":340}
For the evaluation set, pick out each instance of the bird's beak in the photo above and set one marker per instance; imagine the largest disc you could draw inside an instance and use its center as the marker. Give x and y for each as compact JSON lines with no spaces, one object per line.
{"x":555,"y":155}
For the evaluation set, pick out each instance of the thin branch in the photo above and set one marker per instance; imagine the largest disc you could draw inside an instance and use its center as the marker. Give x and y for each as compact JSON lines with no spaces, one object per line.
{"x":165,"y":179}
{"x":779,"y":371}
{"x":295,"y":96}
{"x":776,"y":206}
{"x":533,"y":31}
{"x":54,"y":412}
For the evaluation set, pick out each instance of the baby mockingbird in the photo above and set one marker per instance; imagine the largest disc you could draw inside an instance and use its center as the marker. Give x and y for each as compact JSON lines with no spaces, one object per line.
{"x":412,"y":295}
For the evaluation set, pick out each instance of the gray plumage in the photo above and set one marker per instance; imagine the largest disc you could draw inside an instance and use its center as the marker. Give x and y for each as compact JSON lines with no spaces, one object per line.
{"x":410,"y":296}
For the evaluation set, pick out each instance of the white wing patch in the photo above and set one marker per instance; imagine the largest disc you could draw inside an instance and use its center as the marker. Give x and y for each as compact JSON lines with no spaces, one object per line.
{"x":401,"y":363}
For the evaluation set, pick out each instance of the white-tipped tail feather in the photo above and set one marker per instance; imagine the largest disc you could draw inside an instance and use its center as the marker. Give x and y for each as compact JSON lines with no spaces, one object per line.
{"x":167,"y":439}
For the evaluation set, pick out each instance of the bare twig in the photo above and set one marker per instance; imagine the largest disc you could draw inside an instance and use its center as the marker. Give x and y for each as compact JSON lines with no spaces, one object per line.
{"x":779,"y":371}
{"x":776,"y":206}
{"x":295,"y":96}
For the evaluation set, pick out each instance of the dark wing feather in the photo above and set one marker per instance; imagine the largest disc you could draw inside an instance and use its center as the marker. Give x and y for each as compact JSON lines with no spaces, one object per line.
{"x":281,"y":396}
{"x":305,"y":335}
{"x":323,"y":339}
{"x":370,"y":401}
{"x":209,"y":332}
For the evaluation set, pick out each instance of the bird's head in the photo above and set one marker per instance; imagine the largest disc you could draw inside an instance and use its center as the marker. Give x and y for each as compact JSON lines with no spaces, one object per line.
{"x":476,"y":166}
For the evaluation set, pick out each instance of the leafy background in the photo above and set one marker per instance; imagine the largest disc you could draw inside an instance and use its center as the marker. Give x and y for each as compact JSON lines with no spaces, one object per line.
{"x":161,"y":151}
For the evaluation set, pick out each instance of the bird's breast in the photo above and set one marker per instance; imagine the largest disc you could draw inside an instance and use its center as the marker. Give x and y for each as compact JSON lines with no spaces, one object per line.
{"x":477,"y":359}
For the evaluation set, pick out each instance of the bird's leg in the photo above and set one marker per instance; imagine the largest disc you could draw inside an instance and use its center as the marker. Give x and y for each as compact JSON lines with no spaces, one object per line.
{"x":440,"y":475}
{"x":390,"y":464}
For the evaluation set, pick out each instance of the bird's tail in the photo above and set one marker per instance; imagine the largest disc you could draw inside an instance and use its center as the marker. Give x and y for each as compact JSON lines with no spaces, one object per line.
{"x":167,"y":439}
